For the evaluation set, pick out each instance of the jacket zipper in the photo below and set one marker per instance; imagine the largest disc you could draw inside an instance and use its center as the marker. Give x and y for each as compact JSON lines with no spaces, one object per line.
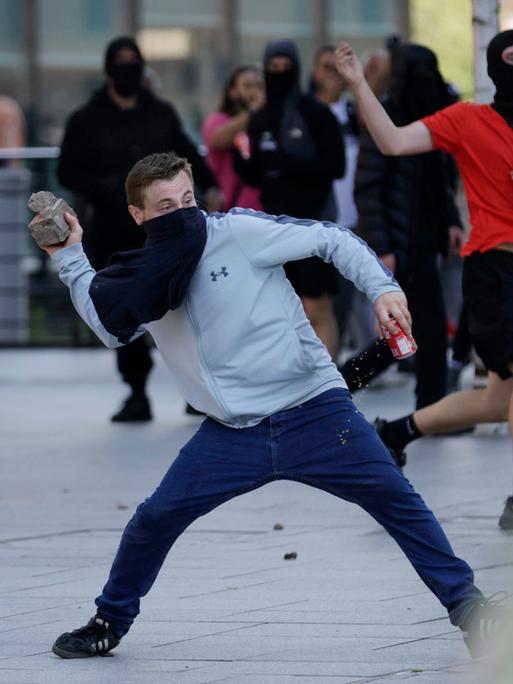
{"x":204,"y":365}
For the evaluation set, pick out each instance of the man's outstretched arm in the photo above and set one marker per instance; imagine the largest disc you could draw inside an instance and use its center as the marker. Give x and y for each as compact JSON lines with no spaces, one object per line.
{"x":270,"y":241}
{"x":391,"y":139}
{"x":76,"y":272}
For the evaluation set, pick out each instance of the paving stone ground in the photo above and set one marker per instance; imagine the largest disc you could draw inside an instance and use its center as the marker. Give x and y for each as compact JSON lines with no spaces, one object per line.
{"x":227,"y":607}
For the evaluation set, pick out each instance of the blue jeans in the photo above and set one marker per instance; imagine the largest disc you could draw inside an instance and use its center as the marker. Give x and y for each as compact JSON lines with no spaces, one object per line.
{"x":325,"y":443}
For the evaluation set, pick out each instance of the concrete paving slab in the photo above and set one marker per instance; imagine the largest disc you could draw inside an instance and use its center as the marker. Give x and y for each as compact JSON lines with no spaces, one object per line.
{"x":226,"y":606}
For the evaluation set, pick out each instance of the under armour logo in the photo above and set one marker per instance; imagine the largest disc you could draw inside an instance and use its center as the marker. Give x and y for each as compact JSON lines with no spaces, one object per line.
{"x":222,"y":272}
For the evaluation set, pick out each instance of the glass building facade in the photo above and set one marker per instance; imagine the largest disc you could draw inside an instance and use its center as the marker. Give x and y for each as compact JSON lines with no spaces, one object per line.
{"x":51,"y":52}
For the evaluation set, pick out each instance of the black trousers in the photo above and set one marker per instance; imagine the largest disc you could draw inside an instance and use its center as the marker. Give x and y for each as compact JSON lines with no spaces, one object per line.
{"x":134,"y":363}
{"x":488,"y":297}
{"x":462,"y":345}
{"x":426,"y":303}
{"x":133,"y":360}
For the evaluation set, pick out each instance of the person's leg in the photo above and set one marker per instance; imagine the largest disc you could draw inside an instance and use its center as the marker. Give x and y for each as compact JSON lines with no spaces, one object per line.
{"x":506,"y":518}
{"x":454,"y":412}
{"x":134,"y":364}
{"x":217,"y":464}
{"x":319,"y":311}
{"x":488,"y":296}
{"x":466,"y":408}
{"x":359,"y":370}
{"x":328,"y":444}
{"x":460,"y":353}
{"x":425,"y":301}
{"x":462,"y":345}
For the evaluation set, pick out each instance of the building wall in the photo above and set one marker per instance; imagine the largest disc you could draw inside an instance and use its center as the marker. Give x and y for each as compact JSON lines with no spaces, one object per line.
{"x":51,"y":53}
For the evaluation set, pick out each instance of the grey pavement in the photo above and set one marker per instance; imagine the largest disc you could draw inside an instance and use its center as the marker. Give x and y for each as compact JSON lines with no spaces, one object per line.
{"x":226,"y":607}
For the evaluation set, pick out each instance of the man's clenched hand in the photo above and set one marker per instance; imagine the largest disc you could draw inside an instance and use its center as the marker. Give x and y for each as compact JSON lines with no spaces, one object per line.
{"x":391,"y":307}
{"x":349,"y":66}
{"x":75,"y":235}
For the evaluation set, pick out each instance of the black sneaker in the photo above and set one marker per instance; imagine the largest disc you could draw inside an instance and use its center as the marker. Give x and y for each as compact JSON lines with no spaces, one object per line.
{"x":95,"y":638}
{"x":136,"y":409}
{"x":506,"y":519}
{"x":399,"y":455}
{"x":485,"y":626}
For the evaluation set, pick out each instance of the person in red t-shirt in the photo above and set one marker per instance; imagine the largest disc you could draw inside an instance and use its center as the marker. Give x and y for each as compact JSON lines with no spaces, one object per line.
{"x":481,"y":139}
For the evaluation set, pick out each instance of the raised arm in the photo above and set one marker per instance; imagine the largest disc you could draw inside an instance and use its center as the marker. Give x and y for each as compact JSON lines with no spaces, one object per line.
{"x":76,"y":272}
{"x":220,"y":132}
{"x":391,"y":139}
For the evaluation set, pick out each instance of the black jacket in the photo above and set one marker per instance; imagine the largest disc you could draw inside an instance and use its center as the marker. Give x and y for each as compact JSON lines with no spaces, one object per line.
{"x":101,"y":144}
{"x":295,"y":179}
{"x":405,"y":204}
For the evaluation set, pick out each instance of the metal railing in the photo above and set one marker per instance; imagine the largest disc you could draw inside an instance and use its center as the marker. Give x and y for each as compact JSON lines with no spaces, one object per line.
{"x":21,"y":153}
{"x":35,"y":308}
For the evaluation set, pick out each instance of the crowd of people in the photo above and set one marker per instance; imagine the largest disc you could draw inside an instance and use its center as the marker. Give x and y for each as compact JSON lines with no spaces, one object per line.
{"x":273,"y":148}
{"x":294,"y":186}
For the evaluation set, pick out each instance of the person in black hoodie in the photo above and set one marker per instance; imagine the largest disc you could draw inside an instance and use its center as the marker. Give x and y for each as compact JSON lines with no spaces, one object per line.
{"x":407,"y":214}
{"x":296,"y":153}
{"x":122,"y":123}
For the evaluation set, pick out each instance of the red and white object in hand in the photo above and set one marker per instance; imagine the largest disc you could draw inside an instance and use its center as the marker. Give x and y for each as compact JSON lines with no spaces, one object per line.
{"x":401,"y":344}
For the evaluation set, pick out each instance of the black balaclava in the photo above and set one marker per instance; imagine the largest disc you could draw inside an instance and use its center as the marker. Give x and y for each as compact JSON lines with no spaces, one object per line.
{"x":501,"y":74}
{"x":416,"y":86}
{"x":142,"y":285}
{"x":279,"y":86}
{"x":127,"y":77}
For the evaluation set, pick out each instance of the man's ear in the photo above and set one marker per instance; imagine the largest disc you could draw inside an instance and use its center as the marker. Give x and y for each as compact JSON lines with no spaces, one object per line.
{"x":136,"y":214}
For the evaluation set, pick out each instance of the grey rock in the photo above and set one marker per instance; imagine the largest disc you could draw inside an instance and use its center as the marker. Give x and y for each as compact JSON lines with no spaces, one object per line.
{"x":39,"y":201}
{"x":48,"y":227}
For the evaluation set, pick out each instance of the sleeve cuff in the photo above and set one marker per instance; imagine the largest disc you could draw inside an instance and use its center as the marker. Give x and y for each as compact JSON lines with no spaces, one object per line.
{"x":64,"y":256}
{"x":384,"y":290}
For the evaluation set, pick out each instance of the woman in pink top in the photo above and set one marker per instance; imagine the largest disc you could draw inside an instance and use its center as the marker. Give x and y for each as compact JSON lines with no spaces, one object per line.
{"x":225,"y":129}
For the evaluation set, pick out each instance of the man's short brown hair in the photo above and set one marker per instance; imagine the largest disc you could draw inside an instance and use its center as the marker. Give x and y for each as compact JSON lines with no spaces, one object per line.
{"x":154,"y":167}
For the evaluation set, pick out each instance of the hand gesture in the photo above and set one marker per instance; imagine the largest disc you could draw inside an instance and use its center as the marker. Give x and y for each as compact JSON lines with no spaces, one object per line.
{"x":75,"y":235}
{"x":348,"y":65}
{"x":389,"y":308}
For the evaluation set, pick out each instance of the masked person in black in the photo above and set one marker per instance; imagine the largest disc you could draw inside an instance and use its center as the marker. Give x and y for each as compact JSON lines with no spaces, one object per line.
{"x":408,"y":216}
{"x":121,"y":123}
{"x":296,"y":153}
{"x":500,"y":69}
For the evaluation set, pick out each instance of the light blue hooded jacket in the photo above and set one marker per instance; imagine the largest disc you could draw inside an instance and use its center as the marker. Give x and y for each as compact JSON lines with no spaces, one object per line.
{"x":240,"y":345}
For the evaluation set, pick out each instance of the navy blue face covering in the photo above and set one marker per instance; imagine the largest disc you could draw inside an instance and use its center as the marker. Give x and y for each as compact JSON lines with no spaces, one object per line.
{"x":501,"y":74}
{"x":141,"y":285}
